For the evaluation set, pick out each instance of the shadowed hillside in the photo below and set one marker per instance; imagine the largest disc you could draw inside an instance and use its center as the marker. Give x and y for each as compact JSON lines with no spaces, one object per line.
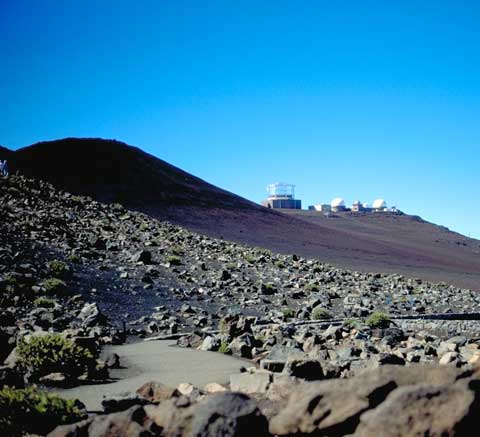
{"x":112,"y":171}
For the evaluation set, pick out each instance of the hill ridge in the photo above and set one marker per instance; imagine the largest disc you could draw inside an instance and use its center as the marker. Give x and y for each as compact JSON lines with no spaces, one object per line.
{"x":113,"y":171}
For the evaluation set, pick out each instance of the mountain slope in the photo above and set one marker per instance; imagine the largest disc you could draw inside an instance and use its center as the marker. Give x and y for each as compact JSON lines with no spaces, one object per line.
{"x":111,"y":171}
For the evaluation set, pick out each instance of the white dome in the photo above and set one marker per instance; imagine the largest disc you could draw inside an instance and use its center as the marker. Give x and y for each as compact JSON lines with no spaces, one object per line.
{"x":379,"y":204}
{"x":338,"y":201}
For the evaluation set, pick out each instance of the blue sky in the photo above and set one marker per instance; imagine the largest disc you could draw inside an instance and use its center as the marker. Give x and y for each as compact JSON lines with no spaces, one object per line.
{"x":359,"y":99}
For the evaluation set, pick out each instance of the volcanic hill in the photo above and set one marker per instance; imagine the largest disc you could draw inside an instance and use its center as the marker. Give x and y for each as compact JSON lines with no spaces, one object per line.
{"x":111,"y":171}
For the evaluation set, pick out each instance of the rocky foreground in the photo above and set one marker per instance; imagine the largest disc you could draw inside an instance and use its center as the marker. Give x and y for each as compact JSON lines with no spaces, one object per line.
{"x":390,"y":401}
{"x":332,"y":352}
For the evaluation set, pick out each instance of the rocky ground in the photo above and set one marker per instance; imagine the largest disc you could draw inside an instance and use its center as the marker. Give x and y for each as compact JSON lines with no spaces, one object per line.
{"x":312,"y":331}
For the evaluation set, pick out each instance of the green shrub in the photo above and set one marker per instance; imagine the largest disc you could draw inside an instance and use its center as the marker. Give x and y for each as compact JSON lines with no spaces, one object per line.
{"x":32,"y":411}
{"x":320,"y":313}
{"x":58,"y":269}
{"x":74,"y":258}
{"x":174,"y":260}
{"x":224,"y":349}
{"x":51,"y":353}
{"x":288,"y":312}
{"x":378,"y":320}
{"x":350,"y":323}
{"x":11,"y":284}
{"x":44,"y":302}
{"x":249,"y":258}
{"x":54,"y":286}
{"x":177,"y":250}
{"x":280,"y":264}
{"x":312,"y":287}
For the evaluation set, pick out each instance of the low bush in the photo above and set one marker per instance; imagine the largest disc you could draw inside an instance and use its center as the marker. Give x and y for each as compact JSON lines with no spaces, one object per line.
{"x":224,"y":349}
{"x":44,"y":302}
{"x":320,"y":313}
{"x":174,"y":260}
{"x":249,"y":258}
{"x":350,"y":323}
{"x":312,"y":287}
{"x":288,"y":312}
{"x":177,"y":250}
{"x":32,"y":411}
{"x":74,"y":258}
{"x":280,"y":264}
{"x":51,"y":353}
{"x":378,"y":320}
{"x":58,"y":269}
{"x":54,"y":286}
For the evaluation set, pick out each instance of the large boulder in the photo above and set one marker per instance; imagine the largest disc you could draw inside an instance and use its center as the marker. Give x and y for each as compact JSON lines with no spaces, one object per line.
{"x":304,"y":367}
{"x":156,"y":392}
{"x":450,"y":410}
{"x":90,"y":315}
{"x":133,"y":422}
{"x":228,"y":414}
{"x":225,"y":414}
{"x":331,"y":407}
{"x":249,"y":383}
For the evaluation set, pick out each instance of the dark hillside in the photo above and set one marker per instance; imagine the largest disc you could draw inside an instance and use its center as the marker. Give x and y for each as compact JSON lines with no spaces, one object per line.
{"x":112,"y":171}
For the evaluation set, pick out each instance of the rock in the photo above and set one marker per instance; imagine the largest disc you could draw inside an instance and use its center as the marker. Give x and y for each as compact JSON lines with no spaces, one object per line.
{"x":383,"y":359}
{"x":242,"y":346}
{"x":90,"y":315}
{"x":112,"y":361}
{"x":448,"y":358}
{"x":225,"y":275}
{"x":334,"y":407}
{"x":459,"y":340}
{"x":210,"y":343}
{"x":214,"y":387}
{"x":301,"y":366}
{"x":113,"y":405}
{"x":7,"y":343}
{"x":330,"y":407}
{"x":187,"y":389}
{"x":144,"y":256}
{"x":423,"y":410}
{"x":392,"y":336}
{"x":228,"y":414}
{"x":250,"y":383}
{"x":192,"y":340}
{"x":272,"y":365}
{"x":11,"y":377}
{"x":234,"y":326}
{"x":445,"y":347}
{"x":223,"y":414}
{"x":133,"y":422}
{"x":156,"y":392}
{"x":56,"y":379}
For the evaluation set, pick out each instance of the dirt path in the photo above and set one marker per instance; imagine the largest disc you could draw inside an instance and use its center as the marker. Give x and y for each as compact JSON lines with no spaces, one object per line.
{"x":159,"y":361}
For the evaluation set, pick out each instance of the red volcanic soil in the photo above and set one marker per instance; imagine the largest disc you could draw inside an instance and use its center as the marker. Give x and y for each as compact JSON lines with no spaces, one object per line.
{"x":112,"y":171}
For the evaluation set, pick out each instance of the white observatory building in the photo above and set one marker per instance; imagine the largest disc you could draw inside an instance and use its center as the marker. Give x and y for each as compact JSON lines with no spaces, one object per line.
{"x":337,"y":204}
{"x":379,"y":205}
{"x":281,"y":196}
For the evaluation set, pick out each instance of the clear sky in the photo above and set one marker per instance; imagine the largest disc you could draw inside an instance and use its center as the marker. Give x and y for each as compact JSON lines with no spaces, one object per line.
{"x":359,"y":99}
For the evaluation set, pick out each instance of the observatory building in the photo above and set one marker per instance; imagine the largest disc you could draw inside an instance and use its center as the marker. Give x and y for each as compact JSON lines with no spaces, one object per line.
{"x":337,"y":204}
{"x":357,"y":206}
{"x":281,"y":196}
{"x":379,"y":205}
